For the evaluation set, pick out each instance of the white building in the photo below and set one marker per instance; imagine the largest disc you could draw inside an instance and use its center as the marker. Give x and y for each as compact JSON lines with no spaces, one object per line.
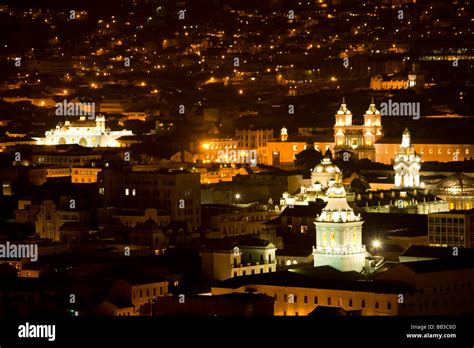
{"x":323,"y":176}
{"x":88,"y":133}
{"x":407,"y":164}
{"x":339,"y":234}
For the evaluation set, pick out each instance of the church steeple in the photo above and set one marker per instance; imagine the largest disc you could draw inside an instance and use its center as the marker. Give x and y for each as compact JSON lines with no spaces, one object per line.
{"x":407,"y":163}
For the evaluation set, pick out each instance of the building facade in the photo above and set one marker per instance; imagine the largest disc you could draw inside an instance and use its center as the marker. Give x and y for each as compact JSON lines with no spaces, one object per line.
{"x":87,"y":133}
{"x":178,"y":193}
{"x":451,"y":229}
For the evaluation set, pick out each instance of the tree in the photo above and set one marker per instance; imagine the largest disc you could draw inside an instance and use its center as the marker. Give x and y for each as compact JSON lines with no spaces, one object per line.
{"x":308,"y":158}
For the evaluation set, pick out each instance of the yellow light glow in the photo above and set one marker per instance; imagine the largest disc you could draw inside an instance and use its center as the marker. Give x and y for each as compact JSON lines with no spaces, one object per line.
{"x":206,"y":146}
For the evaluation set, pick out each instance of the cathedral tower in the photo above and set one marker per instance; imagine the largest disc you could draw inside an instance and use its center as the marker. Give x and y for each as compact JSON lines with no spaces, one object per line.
{"x":339,"y":234}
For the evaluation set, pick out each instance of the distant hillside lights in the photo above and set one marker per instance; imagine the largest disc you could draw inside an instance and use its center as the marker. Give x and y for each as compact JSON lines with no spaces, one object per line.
{"x":66,"y":108}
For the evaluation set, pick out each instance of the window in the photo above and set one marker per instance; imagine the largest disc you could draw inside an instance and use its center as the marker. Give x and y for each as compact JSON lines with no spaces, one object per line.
{"x":363,"y":304}
{"x":339,"y":302}
{"x":376,"y":304}
{"x":389,"y":306}
{"x":275,"y":297}
{"x":284,"y":298}
{"x":235,"y":274}
{"x":350,"y":302}
{"x":329,"y":301}
{"x":161,"y":290}
{"x":315,"y":299}
{"x":141,"y":294}
{"x":305,"y":299}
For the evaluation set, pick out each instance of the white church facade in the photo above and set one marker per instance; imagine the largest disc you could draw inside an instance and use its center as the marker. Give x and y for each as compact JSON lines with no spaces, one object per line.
{"x":87,"y":133}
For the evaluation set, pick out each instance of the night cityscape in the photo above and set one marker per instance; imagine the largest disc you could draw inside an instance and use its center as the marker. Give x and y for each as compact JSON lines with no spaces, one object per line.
{"x":229,"y":159}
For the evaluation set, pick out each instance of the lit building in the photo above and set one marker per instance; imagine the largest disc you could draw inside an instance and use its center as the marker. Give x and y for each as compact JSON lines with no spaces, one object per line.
{"x":357,"y":139}
{"x":50,"y":219}
{"x":88,"y":133}
{"x":301,"y":292}
{"x":323,"y":176}
{"x":378,"y":82}
{"x":223,"y":260}
{"x":407,"y":164}
{"x":451,"y":229}
{"x":364,"y":141}
{"x":138,"y":291}
{"x":339,"y":234}
{"x":84,"y":175}
{"x":457,"y":190}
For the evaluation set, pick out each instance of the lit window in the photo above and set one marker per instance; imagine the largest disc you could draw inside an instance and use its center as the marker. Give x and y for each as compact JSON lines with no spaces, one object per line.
{"x":134,"y":192}
{"x":127,"y":192}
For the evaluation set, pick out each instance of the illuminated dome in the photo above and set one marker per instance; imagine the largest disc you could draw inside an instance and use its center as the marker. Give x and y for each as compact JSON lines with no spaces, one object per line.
{"x":456,"y":185}
{"x":326,"y":166}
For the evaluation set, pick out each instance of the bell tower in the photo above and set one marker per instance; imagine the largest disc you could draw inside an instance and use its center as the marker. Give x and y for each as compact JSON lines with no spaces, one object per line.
{"x":339,"y":234}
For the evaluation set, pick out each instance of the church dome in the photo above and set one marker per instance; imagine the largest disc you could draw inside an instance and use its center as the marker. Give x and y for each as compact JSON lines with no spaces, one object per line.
{"x":456,"y":185}
{"x":326,"y":166}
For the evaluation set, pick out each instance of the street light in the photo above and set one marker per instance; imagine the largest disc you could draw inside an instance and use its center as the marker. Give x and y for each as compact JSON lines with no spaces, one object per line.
{"x":376,"y":244}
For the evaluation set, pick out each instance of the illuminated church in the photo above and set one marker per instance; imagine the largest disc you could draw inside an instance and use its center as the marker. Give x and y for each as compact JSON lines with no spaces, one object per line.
{"x":407,"y":164}
{"x":87,"y":133}
{"x":339,"y":234}
{"x":358,"y":139}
